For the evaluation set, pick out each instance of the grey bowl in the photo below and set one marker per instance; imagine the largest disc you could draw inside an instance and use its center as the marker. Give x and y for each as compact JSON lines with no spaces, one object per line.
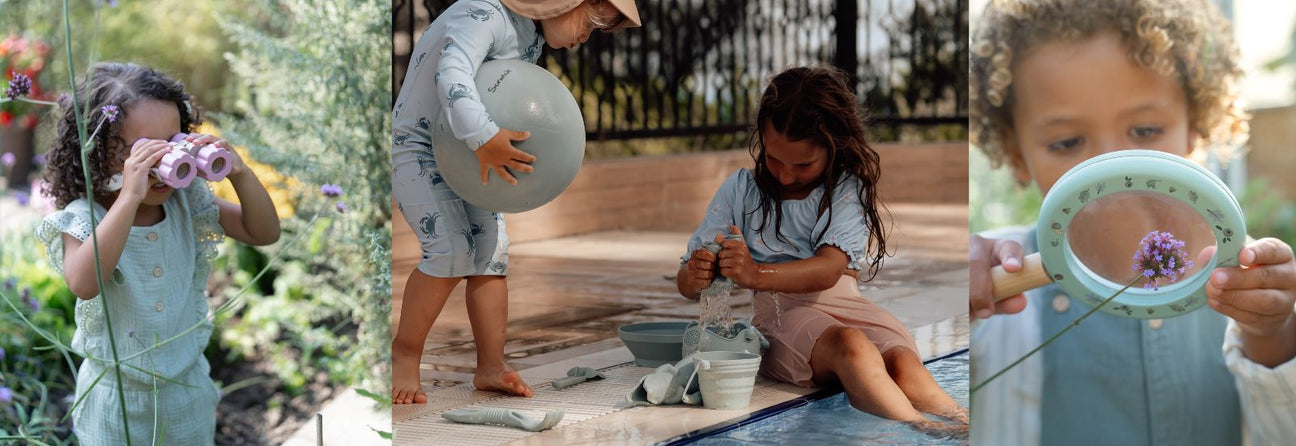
{"x":654,"y":343}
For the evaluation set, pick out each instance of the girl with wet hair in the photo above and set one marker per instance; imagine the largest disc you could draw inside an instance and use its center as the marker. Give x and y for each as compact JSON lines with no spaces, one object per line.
{"x":810,"y":221}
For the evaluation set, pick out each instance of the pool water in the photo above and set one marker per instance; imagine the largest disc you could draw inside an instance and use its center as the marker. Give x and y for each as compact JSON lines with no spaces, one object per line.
{"x":832,"y":420}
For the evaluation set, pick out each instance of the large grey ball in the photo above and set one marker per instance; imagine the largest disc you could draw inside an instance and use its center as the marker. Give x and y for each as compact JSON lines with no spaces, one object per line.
{"x":523,"y":97}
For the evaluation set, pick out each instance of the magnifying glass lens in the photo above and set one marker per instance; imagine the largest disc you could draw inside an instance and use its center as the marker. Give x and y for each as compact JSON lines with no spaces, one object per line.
{"x":1105,"y":234}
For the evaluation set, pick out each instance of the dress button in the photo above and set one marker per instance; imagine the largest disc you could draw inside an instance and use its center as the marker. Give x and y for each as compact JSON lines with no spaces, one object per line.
{"x":158,"y":306}
{"x":1061,"y":303}
{"x":152,"y":236}
{"x":1155,"y":323}
{"x":157,"y":272}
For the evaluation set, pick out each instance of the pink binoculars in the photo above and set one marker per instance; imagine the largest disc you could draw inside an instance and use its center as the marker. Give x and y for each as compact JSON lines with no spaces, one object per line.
{"x":186,"y":161}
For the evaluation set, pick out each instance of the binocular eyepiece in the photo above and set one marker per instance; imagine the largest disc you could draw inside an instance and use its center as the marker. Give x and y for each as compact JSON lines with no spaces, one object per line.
{"x":185,"y":161}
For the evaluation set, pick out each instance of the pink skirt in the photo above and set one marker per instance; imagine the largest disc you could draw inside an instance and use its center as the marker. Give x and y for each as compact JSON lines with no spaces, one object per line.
{"x":800,"y":319}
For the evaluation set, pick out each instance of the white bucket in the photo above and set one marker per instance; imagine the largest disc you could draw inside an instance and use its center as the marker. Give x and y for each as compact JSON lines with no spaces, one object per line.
{"x":726,"y":378}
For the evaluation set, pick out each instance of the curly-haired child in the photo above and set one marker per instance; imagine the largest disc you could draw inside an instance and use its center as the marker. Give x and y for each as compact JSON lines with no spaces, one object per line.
{"x":155,"y":243}
{"x":1054,"y":83}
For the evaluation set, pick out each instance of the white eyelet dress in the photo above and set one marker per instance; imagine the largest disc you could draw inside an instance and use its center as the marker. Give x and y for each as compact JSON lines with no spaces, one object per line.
{"x":157,"y":291}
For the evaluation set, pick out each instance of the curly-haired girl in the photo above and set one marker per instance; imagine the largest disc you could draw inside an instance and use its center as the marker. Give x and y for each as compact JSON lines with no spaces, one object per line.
{"x":1056,"y":82}
{"x":809,"y":216}
{"x":154,"y":246}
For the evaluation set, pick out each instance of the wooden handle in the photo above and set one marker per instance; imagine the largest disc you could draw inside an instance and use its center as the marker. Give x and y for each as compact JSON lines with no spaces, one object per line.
{"x":1031,"y":276}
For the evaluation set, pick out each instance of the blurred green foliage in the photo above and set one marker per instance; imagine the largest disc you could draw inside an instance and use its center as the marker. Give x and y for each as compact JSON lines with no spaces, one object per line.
{"x":39,"y":379}
{"x":313,"y":102}
{"x":996,"y":199}
{"x":1268,"y":213}
{"x":179,"y":37}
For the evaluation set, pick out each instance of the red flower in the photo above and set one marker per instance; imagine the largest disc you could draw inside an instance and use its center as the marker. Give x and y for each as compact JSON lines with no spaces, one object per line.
{"x":23,"y":56}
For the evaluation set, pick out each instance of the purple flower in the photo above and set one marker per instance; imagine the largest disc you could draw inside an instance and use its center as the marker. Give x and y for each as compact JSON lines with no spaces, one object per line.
{"x":331,"y":190}
{"x":341,"y":207}
{"x":40,"y":159}
{"x":19,"y":86}
{"x":2,"y":353}
{"x":8,"y":159}
{"x":110,"y":112}
{"x":10,"y":283}
{"x":29,"y":300}
{"x":1161,"y":256}
{"x":6,"y":395}
{"x":22,"y":197}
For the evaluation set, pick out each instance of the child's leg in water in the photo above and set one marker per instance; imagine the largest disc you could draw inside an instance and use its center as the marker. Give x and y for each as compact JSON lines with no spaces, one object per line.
{"x":908,"y":372}
{"x":843,"y":354}
{"x":488,"y":312}
{"x":425,"y":296}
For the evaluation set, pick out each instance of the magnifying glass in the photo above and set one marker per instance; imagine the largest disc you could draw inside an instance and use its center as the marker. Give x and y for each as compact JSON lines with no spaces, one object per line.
{"x":1093,"y":218}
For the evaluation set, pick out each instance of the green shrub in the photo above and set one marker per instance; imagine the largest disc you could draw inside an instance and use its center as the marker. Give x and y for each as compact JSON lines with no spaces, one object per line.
{"x":1268,"y":214}
{"x":36,"y":379}
{"x":995,"y":199}
{"x":313,"y":80}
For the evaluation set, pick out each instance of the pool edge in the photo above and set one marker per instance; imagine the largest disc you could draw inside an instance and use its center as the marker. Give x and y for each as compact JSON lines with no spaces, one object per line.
{"x":737,"y":422}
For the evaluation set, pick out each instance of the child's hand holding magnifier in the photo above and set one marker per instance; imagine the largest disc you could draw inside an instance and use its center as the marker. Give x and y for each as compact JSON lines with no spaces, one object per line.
{"x":1260,"y":295}
{"x":984,"y":254}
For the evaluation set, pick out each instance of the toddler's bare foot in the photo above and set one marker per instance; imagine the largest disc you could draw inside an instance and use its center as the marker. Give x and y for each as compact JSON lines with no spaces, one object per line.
{"x":503,"y":379}
{"x":406,"y":388}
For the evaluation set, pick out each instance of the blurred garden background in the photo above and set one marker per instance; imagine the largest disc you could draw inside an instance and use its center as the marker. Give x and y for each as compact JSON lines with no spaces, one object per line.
{"x":300,"y":87}
{"x":1259,"y":175}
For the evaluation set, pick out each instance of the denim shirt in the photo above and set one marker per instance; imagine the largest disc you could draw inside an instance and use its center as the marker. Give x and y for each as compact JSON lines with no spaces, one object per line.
{"x":1116,"y":381}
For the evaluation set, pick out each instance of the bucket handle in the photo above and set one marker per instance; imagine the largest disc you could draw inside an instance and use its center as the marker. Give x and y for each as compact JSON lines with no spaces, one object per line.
{"x":703,"y":364}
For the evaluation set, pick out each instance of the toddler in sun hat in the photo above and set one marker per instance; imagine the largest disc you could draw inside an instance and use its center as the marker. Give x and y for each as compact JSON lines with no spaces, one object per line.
{"x":458,"y":239}
{"x":545,"y":9}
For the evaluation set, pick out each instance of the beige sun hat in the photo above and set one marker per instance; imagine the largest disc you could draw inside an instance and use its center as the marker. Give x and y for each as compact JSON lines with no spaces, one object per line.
{"x":547,"y":9}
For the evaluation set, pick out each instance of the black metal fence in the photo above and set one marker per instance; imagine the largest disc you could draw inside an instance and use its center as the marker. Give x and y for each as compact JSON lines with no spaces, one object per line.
{"x":697,"y":67}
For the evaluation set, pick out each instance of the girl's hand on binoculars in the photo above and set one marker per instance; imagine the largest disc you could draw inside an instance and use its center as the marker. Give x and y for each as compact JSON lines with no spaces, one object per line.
{"x":200,"y":140}
{"x":239,"y":167}
{"x":136,"y":178}
{"x":498,"y":153}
